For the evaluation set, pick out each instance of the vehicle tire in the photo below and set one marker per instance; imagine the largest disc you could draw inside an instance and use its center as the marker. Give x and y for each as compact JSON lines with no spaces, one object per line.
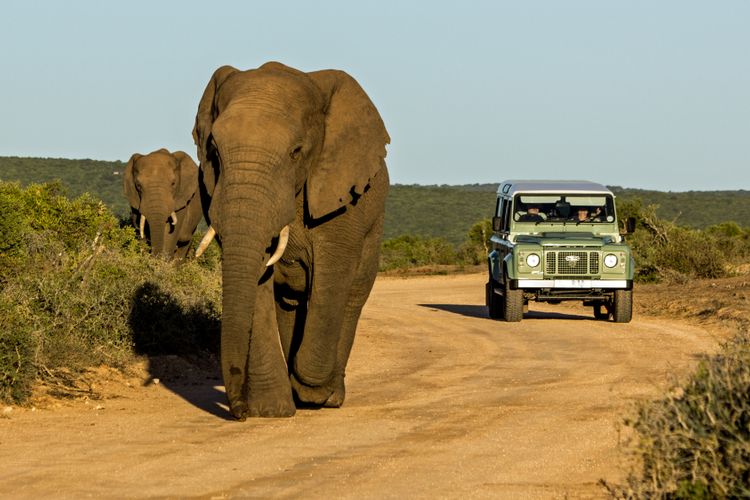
{"x":493,"y":301}
{"x":601,"y":311}
{"x":622,"y":309}
{"x":513,"y":304}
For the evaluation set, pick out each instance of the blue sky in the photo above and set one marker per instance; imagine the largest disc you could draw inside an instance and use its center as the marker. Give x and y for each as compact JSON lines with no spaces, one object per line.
{"x":645,"y":94}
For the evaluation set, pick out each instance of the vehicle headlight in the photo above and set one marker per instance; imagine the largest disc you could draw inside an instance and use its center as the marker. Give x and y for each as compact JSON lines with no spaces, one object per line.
{"x":532,"y":260}
{"x":610,"y":260}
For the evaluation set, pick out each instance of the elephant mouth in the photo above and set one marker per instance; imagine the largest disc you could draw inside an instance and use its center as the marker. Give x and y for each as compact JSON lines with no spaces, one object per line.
{"x":283,"y":240}
{"x":142,"y":223}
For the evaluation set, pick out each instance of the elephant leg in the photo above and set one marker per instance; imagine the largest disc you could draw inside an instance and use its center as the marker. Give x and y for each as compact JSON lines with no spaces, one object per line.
{"x":315,"y":361}
{"x":268,"y":388}
{"x":361,"y":287}
{"x":291,"y":320}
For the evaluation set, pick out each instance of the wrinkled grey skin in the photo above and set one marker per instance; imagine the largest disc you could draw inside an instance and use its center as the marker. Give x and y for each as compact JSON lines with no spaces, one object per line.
{"x":156,"y":185}
{"x":281,"y":147}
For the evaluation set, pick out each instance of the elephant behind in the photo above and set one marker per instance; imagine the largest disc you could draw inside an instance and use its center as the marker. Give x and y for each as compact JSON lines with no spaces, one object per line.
{"x":165,"y":200}
{"x":294,"y":165}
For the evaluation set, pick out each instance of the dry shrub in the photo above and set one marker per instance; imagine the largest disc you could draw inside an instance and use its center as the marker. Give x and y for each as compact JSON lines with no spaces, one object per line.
{"x":695,"y":441}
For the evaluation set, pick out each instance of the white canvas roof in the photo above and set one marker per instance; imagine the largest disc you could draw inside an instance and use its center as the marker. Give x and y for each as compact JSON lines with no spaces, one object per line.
{"x":511,"y":187}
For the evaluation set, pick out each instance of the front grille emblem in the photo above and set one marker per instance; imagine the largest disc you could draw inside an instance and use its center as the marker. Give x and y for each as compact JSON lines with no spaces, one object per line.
{"x":572,"y":259}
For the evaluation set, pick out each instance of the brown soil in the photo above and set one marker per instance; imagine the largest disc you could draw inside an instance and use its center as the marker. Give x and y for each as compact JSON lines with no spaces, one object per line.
{"x":441,"y":402}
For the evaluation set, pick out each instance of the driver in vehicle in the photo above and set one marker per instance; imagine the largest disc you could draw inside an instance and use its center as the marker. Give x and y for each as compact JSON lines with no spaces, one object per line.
{"x":531,"y":215}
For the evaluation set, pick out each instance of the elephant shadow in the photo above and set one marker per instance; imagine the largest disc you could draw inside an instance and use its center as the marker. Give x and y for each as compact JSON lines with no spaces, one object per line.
{"x":181,"y":345}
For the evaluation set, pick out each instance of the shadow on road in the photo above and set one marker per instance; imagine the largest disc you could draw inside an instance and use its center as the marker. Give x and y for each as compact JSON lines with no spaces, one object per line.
{"x":196,"y":381}
{"x":474,"y":311}
{"x":470,"y":311}
{"x":557,"y":315}
{"x":182,"y":345}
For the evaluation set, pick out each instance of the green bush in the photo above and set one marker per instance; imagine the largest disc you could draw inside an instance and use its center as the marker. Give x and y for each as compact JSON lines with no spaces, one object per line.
{"x":79,"y":290}
{"x":415,"y":251}
{"x":666,"y":251}
{"x":695,"y":441}
{"x":734,"y":240}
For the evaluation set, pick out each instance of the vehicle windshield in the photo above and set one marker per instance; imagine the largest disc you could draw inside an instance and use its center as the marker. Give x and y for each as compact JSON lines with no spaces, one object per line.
{"x":577,"y":209}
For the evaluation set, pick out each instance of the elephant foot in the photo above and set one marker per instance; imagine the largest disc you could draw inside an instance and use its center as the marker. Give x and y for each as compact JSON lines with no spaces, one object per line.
{"x":336,"y":399}
{"x":267,"y":407}
{"x":271,"y":406}
{"x":312,"y":395}
{"x":239,"y":410}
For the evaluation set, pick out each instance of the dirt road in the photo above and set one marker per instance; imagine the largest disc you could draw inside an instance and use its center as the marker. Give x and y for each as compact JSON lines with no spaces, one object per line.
{"x":441,"y":402}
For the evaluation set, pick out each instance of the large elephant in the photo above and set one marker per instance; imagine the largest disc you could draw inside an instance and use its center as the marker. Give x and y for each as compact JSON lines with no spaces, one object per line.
{"x":165,"y":200}
{"x":294,"y":164}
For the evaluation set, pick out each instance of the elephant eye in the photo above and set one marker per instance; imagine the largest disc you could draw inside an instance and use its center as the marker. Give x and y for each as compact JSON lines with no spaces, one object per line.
{"x":296,"y":153}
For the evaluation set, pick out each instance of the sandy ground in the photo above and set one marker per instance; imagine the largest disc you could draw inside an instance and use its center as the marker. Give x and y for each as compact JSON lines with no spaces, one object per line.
{"x":441,"y":403}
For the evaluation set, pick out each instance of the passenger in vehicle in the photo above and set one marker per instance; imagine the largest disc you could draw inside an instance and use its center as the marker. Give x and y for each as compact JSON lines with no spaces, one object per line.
{"x":583,"y":215}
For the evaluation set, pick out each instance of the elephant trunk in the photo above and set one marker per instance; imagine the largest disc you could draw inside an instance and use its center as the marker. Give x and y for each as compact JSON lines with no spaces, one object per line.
{"x":241,"y":271}
{"x":248,"y":224}
{"x":156,"y":218}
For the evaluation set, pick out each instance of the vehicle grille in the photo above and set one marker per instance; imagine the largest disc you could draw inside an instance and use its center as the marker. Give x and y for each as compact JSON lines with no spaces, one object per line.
{"x":572,"y":263}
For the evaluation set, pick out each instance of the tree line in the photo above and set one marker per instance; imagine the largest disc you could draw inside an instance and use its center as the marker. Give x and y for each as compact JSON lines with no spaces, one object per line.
{"x":427,"y":211}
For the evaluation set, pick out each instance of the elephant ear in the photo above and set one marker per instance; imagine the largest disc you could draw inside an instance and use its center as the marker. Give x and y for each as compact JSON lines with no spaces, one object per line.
{"x":188,"y":174}
{"x":128,"y":183}
{"x":205,"y":117}
{"x":353,"y":148}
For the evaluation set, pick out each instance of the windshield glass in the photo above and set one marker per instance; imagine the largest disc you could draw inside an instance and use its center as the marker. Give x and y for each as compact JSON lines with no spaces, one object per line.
{"x":578,"y":208}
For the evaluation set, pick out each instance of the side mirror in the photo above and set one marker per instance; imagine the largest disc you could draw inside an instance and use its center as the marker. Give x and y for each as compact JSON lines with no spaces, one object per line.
{"x":629,"y":226}
{"x":497,"y":223}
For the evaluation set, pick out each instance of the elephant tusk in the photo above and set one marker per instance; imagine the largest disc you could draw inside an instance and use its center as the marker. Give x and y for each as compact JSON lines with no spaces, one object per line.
{"x":207,"y":239}
{"x":283,"y":240}
{"x":142,"y":226}
{"x":173,"y":218}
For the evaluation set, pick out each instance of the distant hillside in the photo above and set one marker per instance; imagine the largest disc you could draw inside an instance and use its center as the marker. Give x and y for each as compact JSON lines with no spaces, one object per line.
{"x":437,"y":211}
{"x":100,"y":178}
{"x":434,"y":211}
{"x":449,"y":211}
{"x":695,"y":209}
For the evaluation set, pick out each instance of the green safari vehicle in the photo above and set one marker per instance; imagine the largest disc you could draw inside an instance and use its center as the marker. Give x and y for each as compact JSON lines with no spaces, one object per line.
{"x":557,"y":241}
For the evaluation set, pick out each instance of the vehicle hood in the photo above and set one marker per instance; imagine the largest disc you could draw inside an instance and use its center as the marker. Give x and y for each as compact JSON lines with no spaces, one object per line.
{"x":567,"y":239}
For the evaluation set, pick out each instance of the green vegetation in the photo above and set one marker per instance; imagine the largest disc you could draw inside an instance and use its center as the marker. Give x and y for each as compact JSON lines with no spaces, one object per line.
{"x":79,"y":290}
{"x":664,"y":250}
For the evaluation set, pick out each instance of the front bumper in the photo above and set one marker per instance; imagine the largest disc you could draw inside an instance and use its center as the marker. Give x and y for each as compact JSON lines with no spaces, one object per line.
{"x":572,"y":284}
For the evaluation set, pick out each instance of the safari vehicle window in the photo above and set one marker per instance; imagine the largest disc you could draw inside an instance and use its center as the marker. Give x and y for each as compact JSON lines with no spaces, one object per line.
{"x":506,"y":216}
{"x":577,"y":208}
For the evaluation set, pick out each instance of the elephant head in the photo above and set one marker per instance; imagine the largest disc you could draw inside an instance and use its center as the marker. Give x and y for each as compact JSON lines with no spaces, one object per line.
{"x":158,"y":186}
{"x":276,"y":146}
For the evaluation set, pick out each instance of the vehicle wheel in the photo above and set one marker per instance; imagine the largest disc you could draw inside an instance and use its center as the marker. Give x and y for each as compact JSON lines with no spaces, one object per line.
{"x":601,"y":311}
{"x":494,"y":303}
{"x":513,"y":304}
{"x":622,"y":309}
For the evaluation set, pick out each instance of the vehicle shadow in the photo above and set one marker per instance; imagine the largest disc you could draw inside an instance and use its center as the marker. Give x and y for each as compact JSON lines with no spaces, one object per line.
{"x":470,"y":311}
{"x":182,"y":345}
{"x":475,"y":311}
